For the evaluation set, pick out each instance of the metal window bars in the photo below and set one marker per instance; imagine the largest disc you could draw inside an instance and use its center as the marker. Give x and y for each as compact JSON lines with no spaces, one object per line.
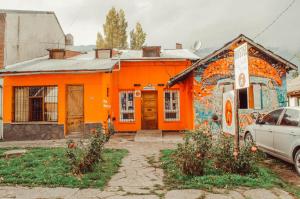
{"x":127,"y":107}
{"x":171,"y":105}
{"x":35,"y":103}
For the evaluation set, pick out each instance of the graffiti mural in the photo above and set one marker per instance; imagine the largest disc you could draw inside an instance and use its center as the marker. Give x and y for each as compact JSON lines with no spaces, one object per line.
{"x":216,"y":77}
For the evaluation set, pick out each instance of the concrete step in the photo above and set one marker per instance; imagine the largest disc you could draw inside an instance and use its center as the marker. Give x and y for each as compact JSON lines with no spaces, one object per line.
{"x":148,"y":136}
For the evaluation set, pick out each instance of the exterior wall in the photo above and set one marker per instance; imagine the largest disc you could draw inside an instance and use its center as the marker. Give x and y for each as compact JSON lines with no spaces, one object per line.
{"x":28,"y":35}
{"x":152,"y":73}
{"x":2,"y":38}
{"x":95,"y":108}
{"x":33,"y":131}
{"x":209,"y":102}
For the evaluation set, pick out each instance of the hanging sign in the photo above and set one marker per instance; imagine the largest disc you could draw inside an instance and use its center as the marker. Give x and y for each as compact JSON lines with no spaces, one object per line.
{"x":241,"y":69}
{"x":228,"y":119}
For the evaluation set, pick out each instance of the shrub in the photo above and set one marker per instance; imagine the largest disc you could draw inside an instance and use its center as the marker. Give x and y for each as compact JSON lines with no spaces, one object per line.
{"x":82,"y":160}
{"x":191,"y":156}
{"x":244,"y":162}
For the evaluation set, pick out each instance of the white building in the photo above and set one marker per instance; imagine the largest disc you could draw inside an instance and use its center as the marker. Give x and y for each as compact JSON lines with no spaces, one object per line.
{"x":25,"y":35}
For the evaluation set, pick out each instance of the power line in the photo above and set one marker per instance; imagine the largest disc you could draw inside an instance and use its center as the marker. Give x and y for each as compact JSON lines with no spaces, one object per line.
{"x":276,"y":19}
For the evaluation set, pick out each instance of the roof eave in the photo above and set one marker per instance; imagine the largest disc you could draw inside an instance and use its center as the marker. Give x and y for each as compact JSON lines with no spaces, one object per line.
{"x":14,"y":73}
{"x":184,"y":73}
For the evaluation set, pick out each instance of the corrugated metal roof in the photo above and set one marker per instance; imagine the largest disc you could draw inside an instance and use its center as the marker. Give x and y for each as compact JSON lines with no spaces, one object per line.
{"x":84,"y":62}
{"x":165,"y":54}
{"x":293,"y":85}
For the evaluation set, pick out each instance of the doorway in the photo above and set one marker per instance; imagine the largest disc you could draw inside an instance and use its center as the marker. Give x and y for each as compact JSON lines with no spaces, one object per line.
{"x":149,"y":110}
{"x":75,"y":116}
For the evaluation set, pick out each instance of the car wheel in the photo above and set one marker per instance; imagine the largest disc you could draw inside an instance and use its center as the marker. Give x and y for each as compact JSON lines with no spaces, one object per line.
{"x":248,"y":138}
{"x":297,"y":162}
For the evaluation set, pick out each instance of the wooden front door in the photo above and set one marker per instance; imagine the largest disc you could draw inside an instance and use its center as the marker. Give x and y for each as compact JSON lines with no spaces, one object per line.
{"x":149,"y":110}
{"x":75,"y":117}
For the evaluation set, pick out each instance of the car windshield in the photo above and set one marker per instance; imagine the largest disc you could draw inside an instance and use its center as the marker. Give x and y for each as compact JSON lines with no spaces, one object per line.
{"x":272,"y":117}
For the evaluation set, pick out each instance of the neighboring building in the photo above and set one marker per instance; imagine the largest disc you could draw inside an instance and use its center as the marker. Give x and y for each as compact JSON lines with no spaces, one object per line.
{"x":213,"y":75}
{"x":293,"y":91}
{"x":70,"y":94}
{"x":26,"y":35}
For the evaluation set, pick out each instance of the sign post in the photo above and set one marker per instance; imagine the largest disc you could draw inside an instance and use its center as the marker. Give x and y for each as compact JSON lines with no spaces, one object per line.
{"x":242,"y":80}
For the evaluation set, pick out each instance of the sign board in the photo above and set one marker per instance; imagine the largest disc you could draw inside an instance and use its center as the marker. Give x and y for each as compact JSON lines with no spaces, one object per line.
{"x":241,"y":70}
{"x":149,"y":87}
{"x":228,"y":119}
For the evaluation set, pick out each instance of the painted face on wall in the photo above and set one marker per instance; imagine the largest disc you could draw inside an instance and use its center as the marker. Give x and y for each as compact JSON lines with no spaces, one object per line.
{"x":228,"y":112}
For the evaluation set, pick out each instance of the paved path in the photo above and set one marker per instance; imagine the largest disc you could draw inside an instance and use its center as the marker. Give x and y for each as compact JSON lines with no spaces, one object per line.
{"x":138,"y":178}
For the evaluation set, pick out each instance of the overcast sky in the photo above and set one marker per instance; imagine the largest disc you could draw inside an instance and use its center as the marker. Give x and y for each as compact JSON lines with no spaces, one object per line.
{"x":213,"y":22}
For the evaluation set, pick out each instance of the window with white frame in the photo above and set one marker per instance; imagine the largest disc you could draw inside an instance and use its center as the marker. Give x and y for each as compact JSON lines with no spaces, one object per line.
{"x":126,"y":106}
{"x":172,"y":108}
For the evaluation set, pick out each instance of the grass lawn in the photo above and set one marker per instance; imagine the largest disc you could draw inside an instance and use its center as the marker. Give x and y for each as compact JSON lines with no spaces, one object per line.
{"x":263,"y":178}
{"x":49,"y":167}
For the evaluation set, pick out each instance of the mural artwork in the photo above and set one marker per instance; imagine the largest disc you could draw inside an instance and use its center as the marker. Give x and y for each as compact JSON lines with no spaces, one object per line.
{"x":216,"y":77}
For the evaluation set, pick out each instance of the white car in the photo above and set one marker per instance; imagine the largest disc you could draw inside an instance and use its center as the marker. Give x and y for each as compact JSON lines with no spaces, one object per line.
{"x":278,"y":134}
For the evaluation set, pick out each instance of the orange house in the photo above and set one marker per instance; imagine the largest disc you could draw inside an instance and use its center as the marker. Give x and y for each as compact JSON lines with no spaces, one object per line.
{"x":58,"y":96}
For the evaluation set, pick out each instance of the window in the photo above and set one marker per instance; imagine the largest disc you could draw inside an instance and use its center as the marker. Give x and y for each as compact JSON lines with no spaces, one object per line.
{"x":172,"y":105}
{"x":290,"y":118}
{"x":250,"y":98}
{"x":126,"y":106}
{"x":35,"y":103}
{"x":272,"y":118}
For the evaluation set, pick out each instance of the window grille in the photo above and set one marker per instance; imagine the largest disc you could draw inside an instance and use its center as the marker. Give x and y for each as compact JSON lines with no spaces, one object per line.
{"x":38,"y":103}
{"x":171,"y":105}
{"x":126,"y":106}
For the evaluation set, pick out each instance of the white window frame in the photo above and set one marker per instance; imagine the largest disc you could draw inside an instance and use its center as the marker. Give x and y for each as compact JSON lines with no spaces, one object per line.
{"x":122,"y":112}
{"x":171,"y":107}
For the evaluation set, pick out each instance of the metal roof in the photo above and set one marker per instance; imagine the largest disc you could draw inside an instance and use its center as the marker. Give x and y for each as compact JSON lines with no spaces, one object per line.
{"x":293,"y":85}
{"x":84,"y":62}
{"x":165,"y":54}
{"x":182,"y":75}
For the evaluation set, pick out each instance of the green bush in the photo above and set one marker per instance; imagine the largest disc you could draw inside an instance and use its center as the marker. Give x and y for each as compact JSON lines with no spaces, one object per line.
{"x":82,"y":160}
{"x":241,"y":163}
{"x":191,"y":156}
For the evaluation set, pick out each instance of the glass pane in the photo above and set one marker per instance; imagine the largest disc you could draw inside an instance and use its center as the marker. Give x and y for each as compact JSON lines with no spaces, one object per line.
{"x":175,"y":101}
{"x":21,"y":101}
{"x":272,"y":118}
{"x":36,"y":91}
{"x":123,"y":101}
{"x":130,"y":101}
{"x":50,"y":108}
{"x":36,"y":109}
{"x":167,"y":101}
{"x":290,"y":118}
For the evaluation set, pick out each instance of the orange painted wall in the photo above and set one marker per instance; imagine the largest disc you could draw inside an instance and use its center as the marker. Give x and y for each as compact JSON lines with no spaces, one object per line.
{"x":154,"y":73}
{"x":95,"y":97}
{"x":101,"y":92}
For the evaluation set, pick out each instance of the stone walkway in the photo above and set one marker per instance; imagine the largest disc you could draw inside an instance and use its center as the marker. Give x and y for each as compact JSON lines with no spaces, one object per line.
{"x":139,"y":177}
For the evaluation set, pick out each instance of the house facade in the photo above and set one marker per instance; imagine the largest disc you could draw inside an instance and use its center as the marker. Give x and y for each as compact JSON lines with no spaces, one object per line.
{"x":213,"y":75}
{"x":67,"y":94}
{"x":25,"y":35}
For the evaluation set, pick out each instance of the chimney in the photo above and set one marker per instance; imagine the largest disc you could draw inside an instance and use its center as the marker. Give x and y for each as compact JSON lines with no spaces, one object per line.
{"x":178,"y":46}
{"x":151,"y":51}
{"x":103,"y":53}
{"x":62,"y":53}
{"x":57,"y":53}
